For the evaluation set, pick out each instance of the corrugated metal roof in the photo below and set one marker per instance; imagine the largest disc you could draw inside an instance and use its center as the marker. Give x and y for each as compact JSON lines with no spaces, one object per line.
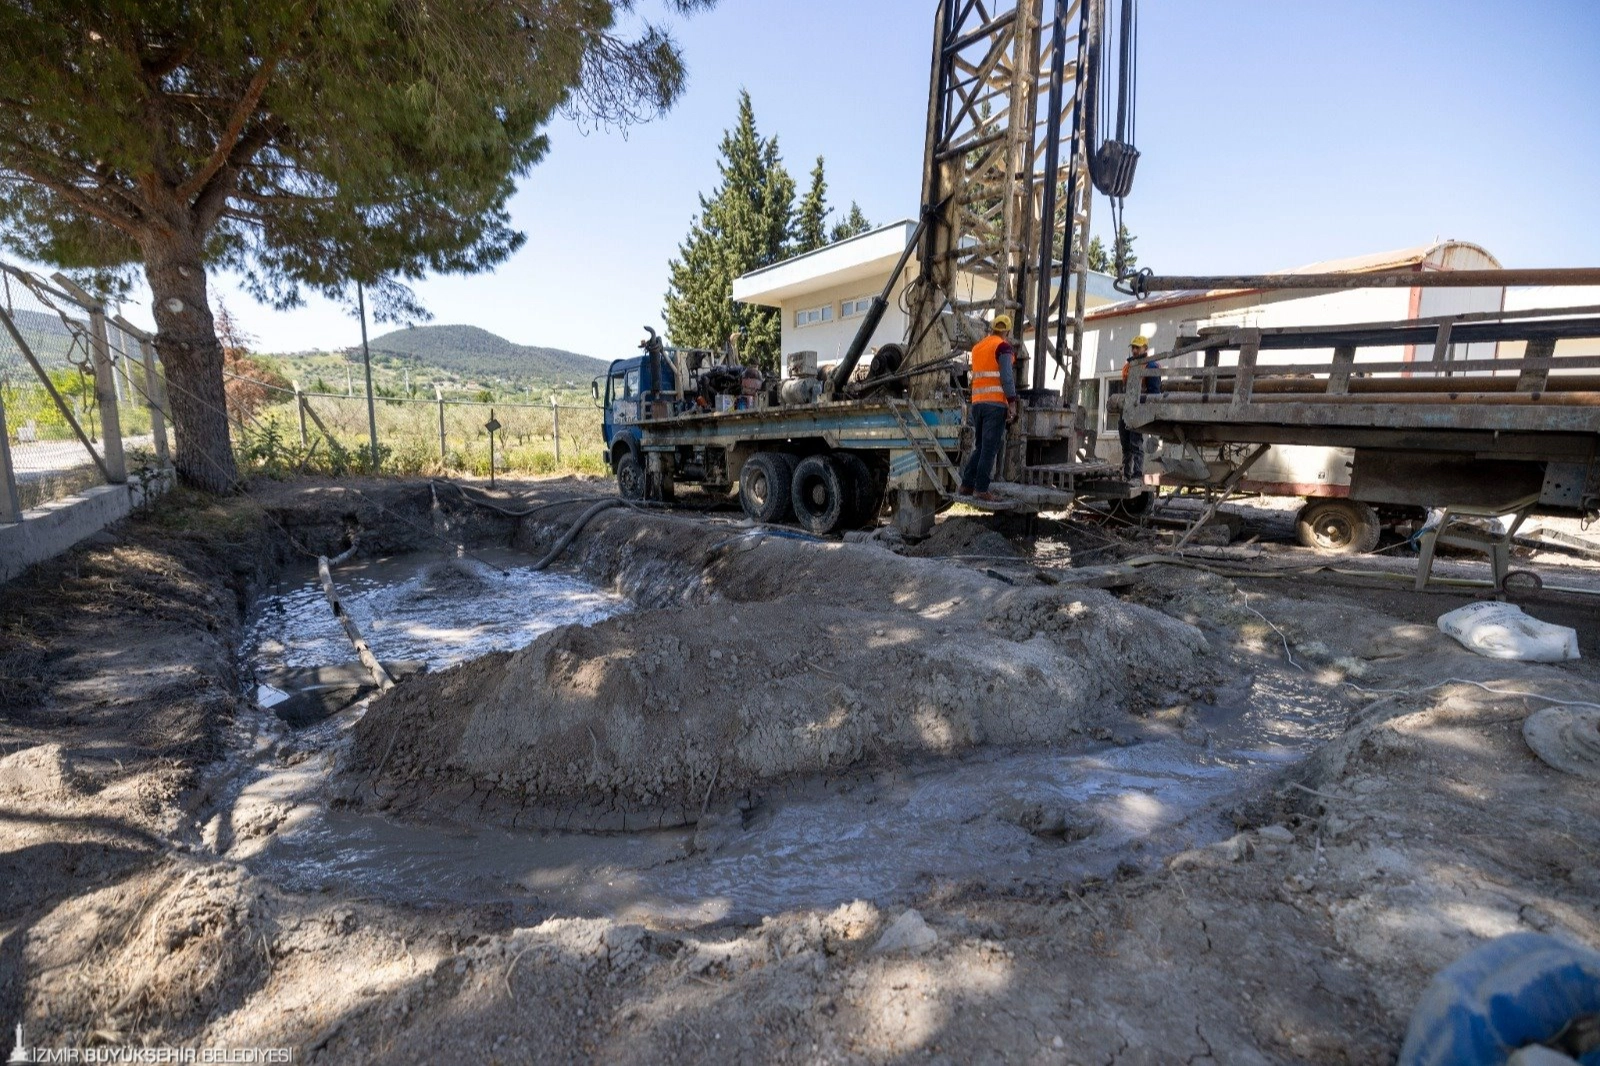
{"x":1417,"y":257}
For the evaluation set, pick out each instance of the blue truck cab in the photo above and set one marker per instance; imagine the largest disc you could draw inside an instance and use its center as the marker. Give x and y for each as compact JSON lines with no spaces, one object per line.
{"x":622,"y":395}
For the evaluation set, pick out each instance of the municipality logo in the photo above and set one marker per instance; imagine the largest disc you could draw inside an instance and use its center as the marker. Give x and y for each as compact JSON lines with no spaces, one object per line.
{"x":20,"y":1051}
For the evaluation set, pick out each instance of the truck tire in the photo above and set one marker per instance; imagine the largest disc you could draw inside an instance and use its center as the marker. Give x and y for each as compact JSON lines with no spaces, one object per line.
{"x":864,"y":491}
{"x":630,"y":476}
{"x":764,"y":486}
{"x":1337,"y":527}
{"x":821,"y":494}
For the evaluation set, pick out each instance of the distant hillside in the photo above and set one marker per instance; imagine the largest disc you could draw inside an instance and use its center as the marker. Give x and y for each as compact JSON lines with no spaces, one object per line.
{"x":476,"y":353}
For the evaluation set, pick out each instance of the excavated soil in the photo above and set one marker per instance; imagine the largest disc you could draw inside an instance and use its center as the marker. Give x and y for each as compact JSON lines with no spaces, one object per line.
{"x":1425,"y":827}
{"x":783,"y":659}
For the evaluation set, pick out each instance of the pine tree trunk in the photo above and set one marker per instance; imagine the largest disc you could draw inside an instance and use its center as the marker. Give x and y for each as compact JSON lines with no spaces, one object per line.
{"x":187,"y":342}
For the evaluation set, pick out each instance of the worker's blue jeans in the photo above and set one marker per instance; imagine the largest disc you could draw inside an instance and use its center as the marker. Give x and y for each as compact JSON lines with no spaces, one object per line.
{"x":988,"y":441}
{"x":1132,"y":442}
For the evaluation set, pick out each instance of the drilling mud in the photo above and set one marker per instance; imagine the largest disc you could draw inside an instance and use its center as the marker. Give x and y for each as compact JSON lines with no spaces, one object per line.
{"x":893,"y":786}
{"x":800,"y":659}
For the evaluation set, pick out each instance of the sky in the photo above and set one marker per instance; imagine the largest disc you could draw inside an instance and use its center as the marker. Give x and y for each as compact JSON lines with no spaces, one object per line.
{"x":1273,"y":133}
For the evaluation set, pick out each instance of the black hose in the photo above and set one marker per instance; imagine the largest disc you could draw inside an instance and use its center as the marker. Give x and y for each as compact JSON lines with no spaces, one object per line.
{"x":577,"y":527}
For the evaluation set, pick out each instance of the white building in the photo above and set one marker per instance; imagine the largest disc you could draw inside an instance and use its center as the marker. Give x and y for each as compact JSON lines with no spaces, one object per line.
{"x":823,"y":294}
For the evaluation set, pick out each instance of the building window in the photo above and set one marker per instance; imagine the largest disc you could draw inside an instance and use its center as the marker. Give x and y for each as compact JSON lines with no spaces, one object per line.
{"x":811,"y":316}
{"x":856,"y":307}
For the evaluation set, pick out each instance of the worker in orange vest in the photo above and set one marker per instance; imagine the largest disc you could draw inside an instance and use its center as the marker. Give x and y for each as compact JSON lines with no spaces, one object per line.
{"x":994,"y":406}
{"x":1131,"y":439}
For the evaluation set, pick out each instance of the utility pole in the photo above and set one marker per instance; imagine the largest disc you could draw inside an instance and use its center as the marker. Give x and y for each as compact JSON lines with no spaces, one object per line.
{"x":366,"y":362}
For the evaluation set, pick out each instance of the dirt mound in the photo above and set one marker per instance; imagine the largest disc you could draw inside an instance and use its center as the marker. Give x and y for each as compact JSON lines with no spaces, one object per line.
{"x":38,"y":774}
{"x":857,"y":658}
{"x":962,"y":536}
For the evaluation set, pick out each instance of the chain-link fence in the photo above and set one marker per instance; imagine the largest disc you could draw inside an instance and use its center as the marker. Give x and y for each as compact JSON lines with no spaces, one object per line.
{"x":313,"y":431}
{"x":79,"y":394}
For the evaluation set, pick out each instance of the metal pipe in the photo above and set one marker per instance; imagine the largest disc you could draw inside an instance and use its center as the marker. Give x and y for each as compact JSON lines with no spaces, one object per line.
{"x":1315,"y":386}
{"x":1047,"y":214}
{"x":1143,"y":285}
{"x":366,"y":362}
{"x":1544,"y":398}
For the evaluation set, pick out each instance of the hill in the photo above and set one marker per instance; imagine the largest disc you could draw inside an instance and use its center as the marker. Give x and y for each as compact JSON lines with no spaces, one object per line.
{"x":475,"y":353}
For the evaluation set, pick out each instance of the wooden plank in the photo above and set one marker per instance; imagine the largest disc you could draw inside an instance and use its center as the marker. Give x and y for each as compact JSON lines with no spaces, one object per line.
{"x":380,"y":676}
{"x":1441,"y":344}
{"x":1339,"y":375}
{"x":1535,"y":365}
{"x":1244,"y":380}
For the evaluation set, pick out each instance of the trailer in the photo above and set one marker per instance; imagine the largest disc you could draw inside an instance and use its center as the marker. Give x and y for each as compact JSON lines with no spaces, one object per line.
{"x":1504,"y":435}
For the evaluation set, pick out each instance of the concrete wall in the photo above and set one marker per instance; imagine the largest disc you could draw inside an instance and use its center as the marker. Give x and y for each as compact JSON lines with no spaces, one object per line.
{"x":53,"y":528}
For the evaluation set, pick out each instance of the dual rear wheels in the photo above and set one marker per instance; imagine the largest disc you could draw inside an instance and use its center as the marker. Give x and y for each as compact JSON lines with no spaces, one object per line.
{"x":821,"y":492}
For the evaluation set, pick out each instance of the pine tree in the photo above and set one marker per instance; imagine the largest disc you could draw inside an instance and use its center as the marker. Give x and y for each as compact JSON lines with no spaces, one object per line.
{"x":743,"y":225}
{"x":304,"y":144}
{"x":852,"y":224}
{"x":1125,"y":259}
{"x":1099,"y":260}
{"x":811,"y":220}
{"x":1104,"y":262}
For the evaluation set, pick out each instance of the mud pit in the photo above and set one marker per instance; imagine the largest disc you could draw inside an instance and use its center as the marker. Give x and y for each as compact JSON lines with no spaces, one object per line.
{"x":782,"y":659}
{"x":180,"y":871}
{"x":802,"y":788}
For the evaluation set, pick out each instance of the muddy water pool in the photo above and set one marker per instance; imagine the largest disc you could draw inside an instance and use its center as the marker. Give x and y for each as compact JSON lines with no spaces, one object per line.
{"x":1003,"y":818}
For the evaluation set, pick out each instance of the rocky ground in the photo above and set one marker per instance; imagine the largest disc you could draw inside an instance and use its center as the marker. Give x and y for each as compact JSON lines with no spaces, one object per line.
{"x":1306,"y":936}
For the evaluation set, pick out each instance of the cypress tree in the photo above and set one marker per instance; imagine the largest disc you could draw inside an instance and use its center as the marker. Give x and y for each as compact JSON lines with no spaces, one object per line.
{"x":811,"y":219}
{"x":852,"y":224}
{"x":743,"y":225}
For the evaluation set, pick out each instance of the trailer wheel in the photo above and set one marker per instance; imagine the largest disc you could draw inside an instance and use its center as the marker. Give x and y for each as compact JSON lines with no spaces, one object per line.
{"x":631,"y":482}
{"x":821,"y":494}
{"x":864,"y":490}
{"x":764,"y":486}
{"x":1337,"y":527}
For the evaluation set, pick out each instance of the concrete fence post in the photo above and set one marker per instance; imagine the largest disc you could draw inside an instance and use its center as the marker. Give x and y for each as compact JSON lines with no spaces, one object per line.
{"x":438,"y":395}
{"x":115,"y":465}
{"x":300,"y":413}
{"x":10,"y":502}
{"x":555,"y":427}
{"x":105,"y":394}
{"x":155,"y":397}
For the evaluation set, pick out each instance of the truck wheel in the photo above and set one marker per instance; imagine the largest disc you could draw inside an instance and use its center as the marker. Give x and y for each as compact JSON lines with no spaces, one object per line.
{"x":1337,"y":527}
{"x":864,"y":491}
{"x":630,"y":476}
{"x":821,"y":494}
{"x":764,"y":486}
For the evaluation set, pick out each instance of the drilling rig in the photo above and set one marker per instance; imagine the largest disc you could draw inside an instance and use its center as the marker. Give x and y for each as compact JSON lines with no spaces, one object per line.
{"x":1003,"y":228}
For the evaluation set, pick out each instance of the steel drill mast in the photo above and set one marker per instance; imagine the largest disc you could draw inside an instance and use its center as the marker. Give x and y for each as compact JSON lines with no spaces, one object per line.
{"x":1005,"y":189}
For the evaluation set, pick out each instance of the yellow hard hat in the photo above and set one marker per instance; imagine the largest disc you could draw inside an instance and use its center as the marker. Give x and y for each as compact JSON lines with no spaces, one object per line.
{"x":1002,"y":324}
{"x":1141,"y":341}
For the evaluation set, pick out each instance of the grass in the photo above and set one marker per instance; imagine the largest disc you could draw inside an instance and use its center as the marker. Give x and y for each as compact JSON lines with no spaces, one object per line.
{"x":409,"y":442}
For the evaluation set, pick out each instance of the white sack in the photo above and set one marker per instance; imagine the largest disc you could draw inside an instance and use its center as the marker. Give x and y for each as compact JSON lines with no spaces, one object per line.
{"x":1503,"y":631}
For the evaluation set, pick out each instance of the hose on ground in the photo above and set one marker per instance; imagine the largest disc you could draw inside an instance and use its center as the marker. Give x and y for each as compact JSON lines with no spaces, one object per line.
{"x":577,"y":527}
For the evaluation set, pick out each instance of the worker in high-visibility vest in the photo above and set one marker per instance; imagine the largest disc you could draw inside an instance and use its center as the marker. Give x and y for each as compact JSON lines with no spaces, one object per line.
{"x":1132,"y":440}
{"x":994,"y":406}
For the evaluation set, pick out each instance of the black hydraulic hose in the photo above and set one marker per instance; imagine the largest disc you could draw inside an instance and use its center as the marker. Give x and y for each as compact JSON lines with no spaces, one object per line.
{"x":577,"y":527}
